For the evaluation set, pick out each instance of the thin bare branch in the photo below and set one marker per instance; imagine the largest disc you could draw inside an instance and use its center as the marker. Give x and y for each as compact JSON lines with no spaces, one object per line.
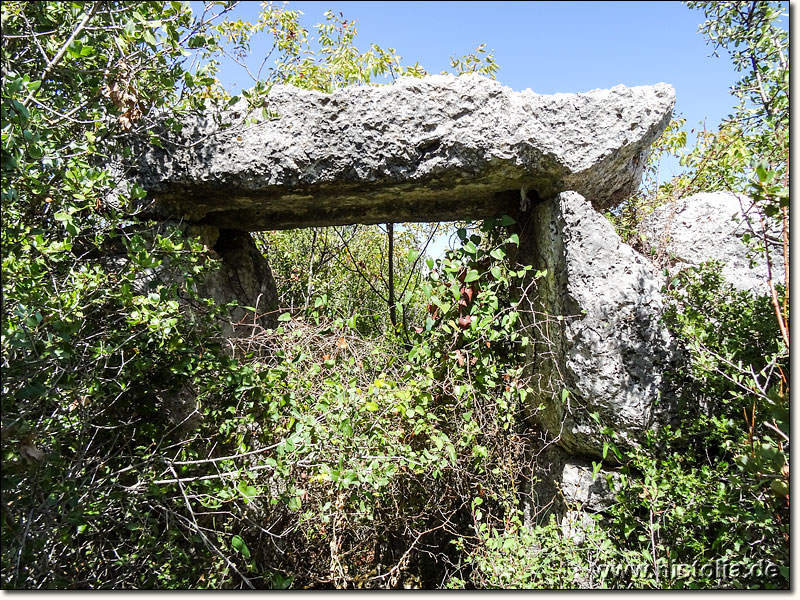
{"x":59,"y":55}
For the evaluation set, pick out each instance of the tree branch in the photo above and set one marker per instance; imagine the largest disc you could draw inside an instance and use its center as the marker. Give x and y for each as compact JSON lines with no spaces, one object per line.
{"x":57,"y":58}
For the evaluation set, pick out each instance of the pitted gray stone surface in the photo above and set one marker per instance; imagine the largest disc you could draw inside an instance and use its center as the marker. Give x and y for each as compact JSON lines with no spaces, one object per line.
{"x":710,"y":226}
{"x":597,"y":327}
{"x":437,"y":148}
{"x":584,"y":495}
{"x":582,"y":490}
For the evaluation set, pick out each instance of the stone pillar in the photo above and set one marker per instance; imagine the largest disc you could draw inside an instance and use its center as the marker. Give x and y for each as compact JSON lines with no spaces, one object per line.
{"x":600,"y":354}
{"x":243,"y":276}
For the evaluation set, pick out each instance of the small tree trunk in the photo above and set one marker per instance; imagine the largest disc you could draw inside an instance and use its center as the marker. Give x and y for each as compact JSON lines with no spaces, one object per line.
{"x":309,"y":288}
{"x":392,"y":308}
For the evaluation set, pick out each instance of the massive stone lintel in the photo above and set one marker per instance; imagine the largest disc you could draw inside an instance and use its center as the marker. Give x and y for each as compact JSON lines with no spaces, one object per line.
{"x":438,"y":148}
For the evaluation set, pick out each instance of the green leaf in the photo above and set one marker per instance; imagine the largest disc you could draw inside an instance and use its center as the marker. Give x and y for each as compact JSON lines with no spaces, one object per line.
{"x":248,"y":491}
{"x":451,"y":450}
{"x":238,"y":544}
{"x":285,"y":317}
{"x":472,"y":275}
{"x":149,"y":37}
{"x":628,"y":529}
{"x":279,"y":582}
{"x":616,"y":452}
{"x":506,"y":220}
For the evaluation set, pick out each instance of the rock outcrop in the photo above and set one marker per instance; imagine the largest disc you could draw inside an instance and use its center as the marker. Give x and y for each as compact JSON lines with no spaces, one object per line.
{"x":711,"y":226}
{"x":601,"y":354}
{"x":432,"y":149}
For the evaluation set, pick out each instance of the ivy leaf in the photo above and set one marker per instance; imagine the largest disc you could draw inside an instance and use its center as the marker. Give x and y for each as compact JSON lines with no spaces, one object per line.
{"x":498,"y":254}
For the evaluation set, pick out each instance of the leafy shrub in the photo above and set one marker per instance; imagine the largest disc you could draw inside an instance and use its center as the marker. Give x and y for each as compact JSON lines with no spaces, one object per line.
{"x":715,"y":488}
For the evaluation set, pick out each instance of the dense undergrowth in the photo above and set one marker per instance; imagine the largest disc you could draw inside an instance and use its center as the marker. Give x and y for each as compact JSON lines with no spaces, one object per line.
{"x":339,"y":449}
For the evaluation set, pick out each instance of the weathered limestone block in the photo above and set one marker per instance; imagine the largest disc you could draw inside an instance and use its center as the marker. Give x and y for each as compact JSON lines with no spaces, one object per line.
{"x":431,"y":149}
{"x":584,"y":497}
{"x":596,"y":323}
{"x":244,"y":276}
{"x":710,"y":226}
{"x":582,"y":491}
